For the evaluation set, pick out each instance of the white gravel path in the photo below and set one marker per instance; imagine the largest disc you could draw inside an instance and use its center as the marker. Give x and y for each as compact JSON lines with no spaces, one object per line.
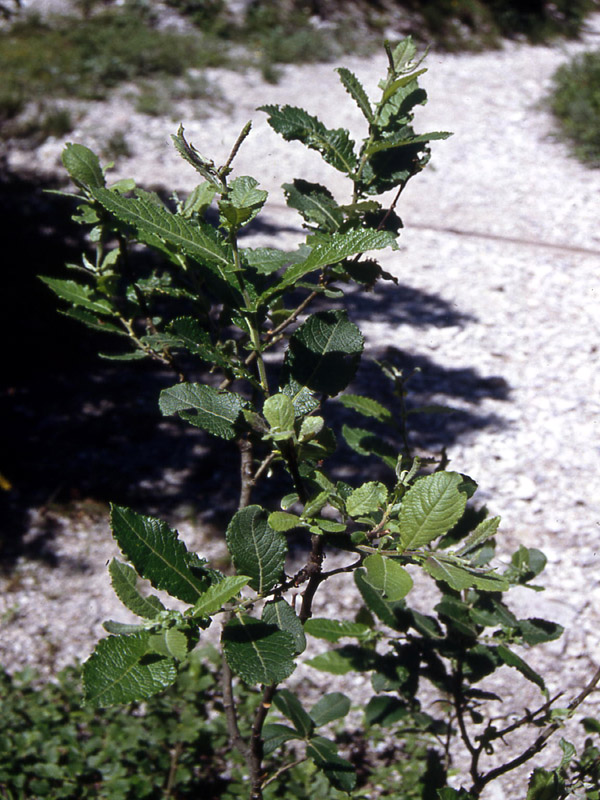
{"x":523,"y":272}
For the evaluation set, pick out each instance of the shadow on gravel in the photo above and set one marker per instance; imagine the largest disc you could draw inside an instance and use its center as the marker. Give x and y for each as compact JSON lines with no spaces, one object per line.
{"x":78,"y":431}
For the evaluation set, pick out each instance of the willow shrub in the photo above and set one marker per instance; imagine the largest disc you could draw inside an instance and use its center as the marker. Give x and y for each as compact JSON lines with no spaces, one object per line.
{"x":277,"y":373}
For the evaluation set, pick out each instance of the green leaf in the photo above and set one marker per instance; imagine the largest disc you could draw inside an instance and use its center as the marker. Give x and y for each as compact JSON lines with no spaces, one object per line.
{"x":513,"y":660}
{"x":266,"y":260}
{"x":188,"y":333}
{"x":279,"y":412}
{"x":343,"y":660}
{"x":356,"y":91}
{"x":120,"y":670}
{"x":461,"y":576}
{"x":219,"y":593}
{"x":331,"y":706}
{"x":177,"y":643}
{"x":124,"y":580}
{"x":543,"y":785}
{"x":92,"y":321}
{"x":331,"y":249}
{"x":204,"y":166}
{"x":365,"y":443}
{"x":293,"y":123}
{"x":83,"y":166}
{"x":242,"y":202}
{"x":152,"y":222}
{"x":369,"y":497}
{"x":366,"y":406}
{"x":430,"y":508}
{"x":385,"y":711}
{"x":315,"y":203}
{"x":199,"y":199}
{"x":257,"y":652}
{"x":401,"y":139}
{"x":292,"y":708}
{"x":156,"y":553}
{"x":323,"y":353}
{"x":339,"y":772}
{"x":257,"y":550}
{"x":591,"y":725}
{"x":387,"y":611}
{"x":284,"y":521}
{"x":455,"y":575}
{"x":280,"y":613}
{"x":78,"y":294}
{"x":333,"y":630}
{"x":218,"y":412}
{"x":388,"y":577}
{"x":112,"y":626}
{"x":274,"y":735}
{"x":484,"y":531}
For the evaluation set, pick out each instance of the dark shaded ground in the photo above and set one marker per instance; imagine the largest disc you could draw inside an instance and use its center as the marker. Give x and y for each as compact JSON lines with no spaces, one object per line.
{"x":75,"y":427}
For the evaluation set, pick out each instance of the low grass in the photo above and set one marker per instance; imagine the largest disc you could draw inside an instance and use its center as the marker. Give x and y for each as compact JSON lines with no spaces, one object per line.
{"x":575,"y":102}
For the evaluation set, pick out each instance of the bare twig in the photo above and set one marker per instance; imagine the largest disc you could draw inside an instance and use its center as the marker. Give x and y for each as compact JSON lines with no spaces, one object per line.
{"x":540,"y":742}
{"x":233,"y":730}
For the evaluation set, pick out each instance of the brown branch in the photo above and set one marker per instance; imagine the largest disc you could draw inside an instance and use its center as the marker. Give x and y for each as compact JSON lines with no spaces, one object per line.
{"x":176,"y":753}
{"x":541,"y":740}
{"x":255,"y":756}
{"x":283,"y":769}
{"x":246,"y":476}
{"x":233,"y":730}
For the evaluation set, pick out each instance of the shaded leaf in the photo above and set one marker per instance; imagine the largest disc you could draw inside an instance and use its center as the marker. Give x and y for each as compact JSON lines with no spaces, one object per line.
{"x":315,"y":203}
{"x":280,"y":613}
{"x":218,"y":412}
{"x":83,"y":166}
{"x":513,"y":660}
{"x":343,"y":660}
{"x":366,"y":406}
{"x":292,"y":708}
{"x":339,"y":772}
{"x":331,"y":706}
{"x":156,"y":553}
{"x":257,"y":550}
{"x":390,"y":613}
{"x":274,"y":735}
{"x":78,"y":294}
{"x":323,"y":353}
{"x":333,"y":630}
{"x":257,"y":652}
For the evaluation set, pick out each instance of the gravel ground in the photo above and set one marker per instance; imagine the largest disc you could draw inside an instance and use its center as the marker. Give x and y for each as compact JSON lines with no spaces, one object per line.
{"x":501,"y":241}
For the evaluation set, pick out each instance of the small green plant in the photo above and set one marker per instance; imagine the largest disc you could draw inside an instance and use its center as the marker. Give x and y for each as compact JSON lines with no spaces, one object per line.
{"x":280,"y":353}
{"x":575,"y":102}
{"x":85,"y":58}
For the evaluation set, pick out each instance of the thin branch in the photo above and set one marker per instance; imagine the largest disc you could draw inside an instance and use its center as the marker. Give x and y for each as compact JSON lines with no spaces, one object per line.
{"x":283,"y":769}
{"x":233,"y":730}
{"x":175,"y":755}
{"x":541,"y":740}
{"x":246,"y":477}
{"x":312,"y":570}
{"x":256,"y":742}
